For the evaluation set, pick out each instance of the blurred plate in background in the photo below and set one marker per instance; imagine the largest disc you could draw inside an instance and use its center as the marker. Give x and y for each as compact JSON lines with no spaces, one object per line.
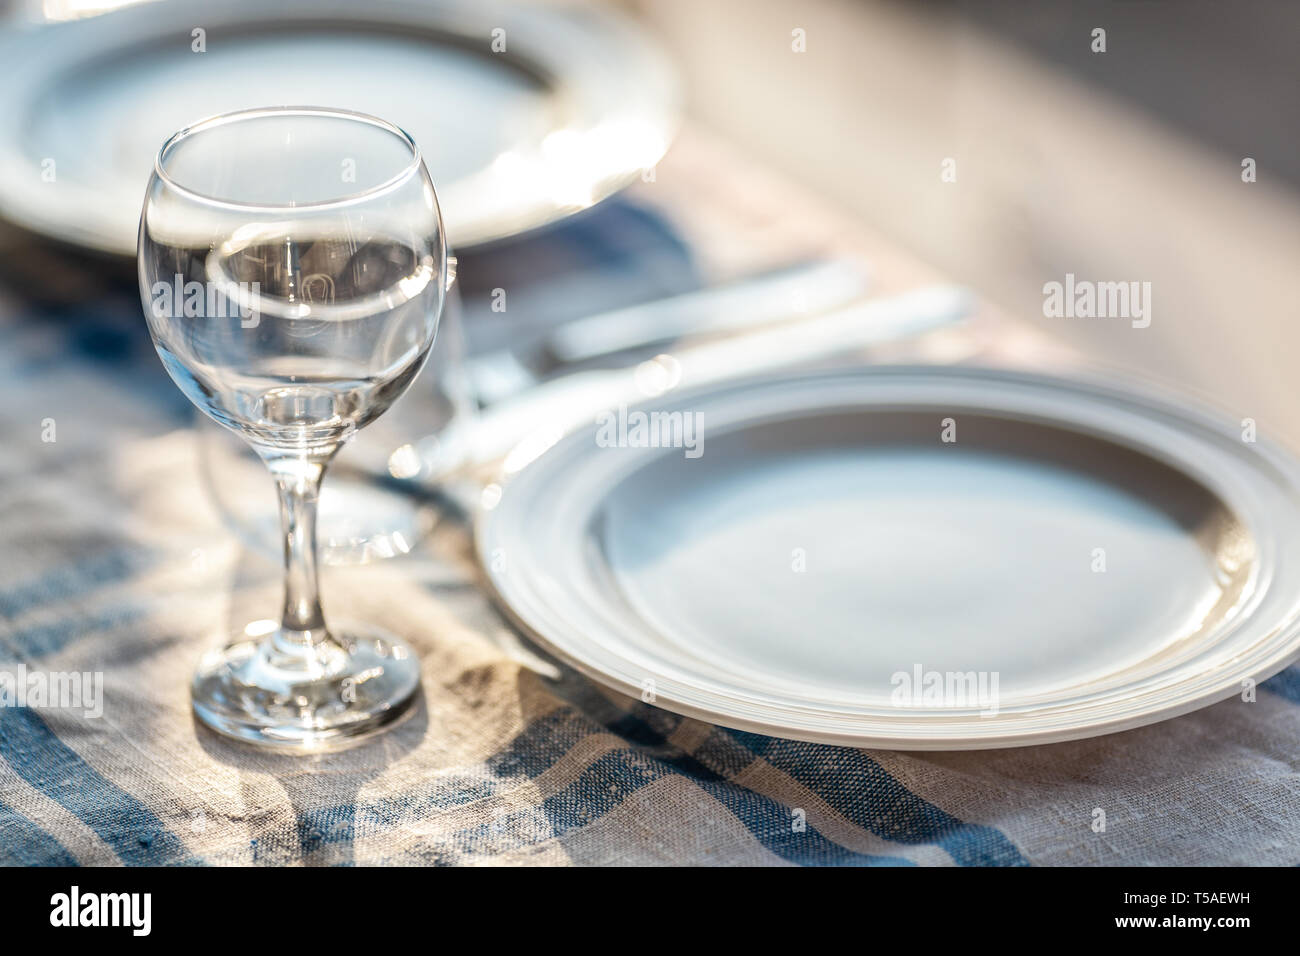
{"x":1094,"y":559}
{"x":525,"y":113}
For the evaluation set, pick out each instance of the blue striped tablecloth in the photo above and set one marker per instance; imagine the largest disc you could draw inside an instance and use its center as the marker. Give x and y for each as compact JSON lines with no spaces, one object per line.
{"x":113,"y":561}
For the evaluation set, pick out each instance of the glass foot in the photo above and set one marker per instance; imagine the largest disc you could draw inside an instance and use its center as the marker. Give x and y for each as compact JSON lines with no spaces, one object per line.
{"x":265,"y":688}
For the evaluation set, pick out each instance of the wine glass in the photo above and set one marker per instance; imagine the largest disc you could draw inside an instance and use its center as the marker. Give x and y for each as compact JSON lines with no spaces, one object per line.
{"x":292,"y":268}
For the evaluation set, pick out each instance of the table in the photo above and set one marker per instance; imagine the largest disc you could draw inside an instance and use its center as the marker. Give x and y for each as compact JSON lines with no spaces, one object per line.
{"x":114,"y":562}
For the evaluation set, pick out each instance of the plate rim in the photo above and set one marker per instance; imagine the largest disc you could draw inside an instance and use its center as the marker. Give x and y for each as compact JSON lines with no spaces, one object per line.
{"x":1181,"y":407}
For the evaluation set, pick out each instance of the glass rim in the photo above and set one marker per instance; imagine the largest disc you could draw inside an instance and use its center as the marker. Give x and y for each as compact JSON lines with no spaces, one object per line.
{"x":237,"y":116}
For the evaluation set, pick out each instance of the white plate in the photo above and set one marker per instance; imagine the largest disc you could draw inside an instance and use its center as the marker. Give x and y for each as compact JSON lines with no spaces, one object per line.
{"x":1110,"y":559}
{"x":577,"y":105}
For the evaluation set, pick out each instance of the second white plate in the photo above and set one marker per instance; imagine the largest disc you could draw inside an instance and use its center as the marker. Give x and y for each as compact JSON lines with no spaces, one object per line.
{"x":524,"y":113}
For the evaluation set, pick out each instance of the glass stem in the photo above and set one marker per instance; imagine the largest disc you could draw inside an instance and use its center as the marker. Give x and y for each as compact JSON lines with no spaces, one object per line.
{"x":298,"y":478}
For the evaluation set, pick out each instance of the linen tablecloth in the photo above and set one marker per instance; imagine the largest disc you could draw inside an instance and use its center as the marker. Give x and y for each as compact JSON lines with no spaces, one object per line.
{"x":114,"y":561}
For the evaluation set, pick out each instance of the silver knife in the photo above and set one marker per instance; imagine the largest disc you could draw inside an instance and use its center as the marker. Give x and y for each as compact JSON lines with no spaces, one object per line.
{"x":517,"y":430}
{"x":790,"y":292}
